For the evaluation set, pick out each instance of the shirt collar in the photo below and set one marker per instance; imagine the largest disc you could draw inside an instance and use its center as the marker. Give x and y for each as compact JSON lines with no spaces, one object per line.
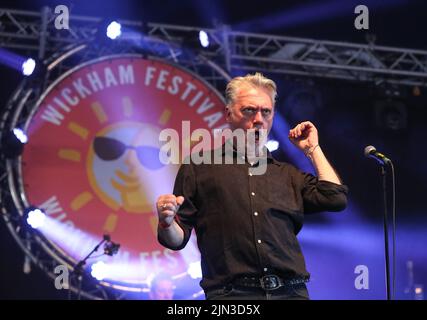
{"x":270,"y":158}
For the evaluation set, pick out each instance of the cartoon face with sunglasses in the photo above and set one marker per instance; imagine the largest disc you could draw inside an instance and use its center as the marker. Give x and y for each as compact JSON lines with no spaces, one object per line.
{"x":125,"y":168}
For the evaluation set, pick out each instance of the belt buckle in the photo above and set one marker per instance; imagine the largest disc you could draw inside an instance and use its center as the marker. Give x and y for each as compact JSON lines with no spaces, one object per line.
{"x":269,"y":282}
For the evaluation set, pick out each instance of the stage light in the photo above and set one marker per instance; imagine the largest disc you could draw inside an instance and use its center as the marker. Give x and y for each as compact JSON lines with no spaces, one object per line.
{"x":114,"y":30}
{"x":391,"y":114}
{"x":20,"y":135}
{"x":272,"y":145}
{"x":194,"y":270}
{"x":28,"y":67}
{"x":204,"y":39}
{"x":419,"y":292}
{"x":12,"y":143}
{"x":99,"y":270}
{"x":36,"y":218}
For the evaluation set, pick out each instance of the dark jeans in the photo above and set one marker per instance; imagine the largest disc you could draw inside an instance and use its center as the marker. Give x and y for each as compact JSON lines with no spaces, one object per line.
{"x":231,"y":292}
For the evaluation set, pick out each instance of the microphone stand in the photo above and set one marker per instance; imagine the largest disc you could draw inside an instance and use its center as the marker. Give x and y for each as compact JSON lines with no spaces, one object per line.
{"x":387,"y":257}
{"x":78,"y":269}
{"x":371,"y":152}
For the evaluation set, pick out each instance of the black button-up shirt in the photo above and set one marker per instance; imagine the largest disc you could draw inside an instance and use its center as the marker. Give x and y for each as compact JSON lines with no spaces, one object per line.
{"x":246,"y":224}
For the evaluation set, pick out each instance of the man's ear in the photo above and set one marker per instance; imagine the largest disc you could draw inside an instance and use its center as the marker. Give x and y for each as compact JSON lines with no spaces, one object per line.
{"x":227,"y":113}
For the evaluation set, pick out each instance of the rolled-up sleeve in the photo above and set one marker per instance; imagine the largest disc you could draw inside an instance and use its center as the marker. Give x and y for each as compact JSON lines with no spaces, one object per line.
{"x":321,"y":195}
{"x":185,"y":185}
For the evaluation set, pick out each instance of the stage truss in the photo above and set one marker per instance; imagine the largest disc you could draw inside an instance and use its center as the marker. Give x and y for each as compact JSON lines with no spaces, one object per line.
{"x":234,"y":51}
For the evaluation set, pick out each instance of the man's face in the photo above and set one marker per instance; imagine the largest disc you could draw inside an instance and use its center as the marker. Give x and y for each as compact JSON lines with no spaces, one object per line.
{"x":252,"y":109}
{"x":163,"y":291}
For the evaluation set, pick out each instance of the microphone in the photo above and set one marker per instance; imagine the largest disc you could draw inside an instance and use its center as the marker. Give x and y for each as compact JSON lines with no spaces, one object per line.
{"x":110,"y":248}
{"x":371,"y":152}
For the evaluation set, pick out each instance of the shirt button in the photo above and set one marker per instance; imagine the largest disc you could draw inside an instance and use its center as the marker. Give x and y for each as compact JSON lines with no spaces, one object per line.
{"x":265,"y":269}
{"x":255,"y":213}
{"x":253,"y":193}
{"x":259,"y":241}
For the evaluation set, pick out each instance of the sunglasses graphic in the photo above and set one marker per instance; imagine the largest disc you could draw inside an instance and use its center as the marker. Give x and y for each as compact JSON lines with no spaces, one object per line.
{"x":109,"y":149}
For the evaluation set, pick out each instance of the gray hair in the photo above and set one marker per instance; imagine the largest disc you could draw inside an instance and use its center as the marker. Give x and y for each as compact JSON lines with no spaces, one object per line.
{"x":257,"y":80}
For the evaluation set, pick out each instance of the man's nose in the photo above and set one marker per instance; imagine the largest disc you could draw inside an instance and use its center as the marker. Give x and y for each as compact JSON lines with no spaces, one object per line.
{"x":258,"y":117}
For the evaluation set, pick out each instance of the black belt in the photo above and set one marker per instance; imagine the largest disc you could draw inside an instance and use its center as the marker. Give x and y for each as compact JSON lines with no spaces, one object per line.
{"x":268,"y":282}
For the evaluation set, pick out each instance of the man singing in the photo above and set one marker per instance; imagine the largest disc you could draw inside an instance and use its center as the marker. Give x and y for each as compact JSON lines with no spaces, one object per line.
{"x":246,"y":224}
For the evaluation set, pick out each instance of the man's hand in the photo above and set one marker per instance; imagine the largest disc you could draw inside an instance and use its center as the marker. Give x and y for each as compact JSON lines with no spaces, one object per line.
{"x":167,"y":207}
{"x":304,"y":136}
